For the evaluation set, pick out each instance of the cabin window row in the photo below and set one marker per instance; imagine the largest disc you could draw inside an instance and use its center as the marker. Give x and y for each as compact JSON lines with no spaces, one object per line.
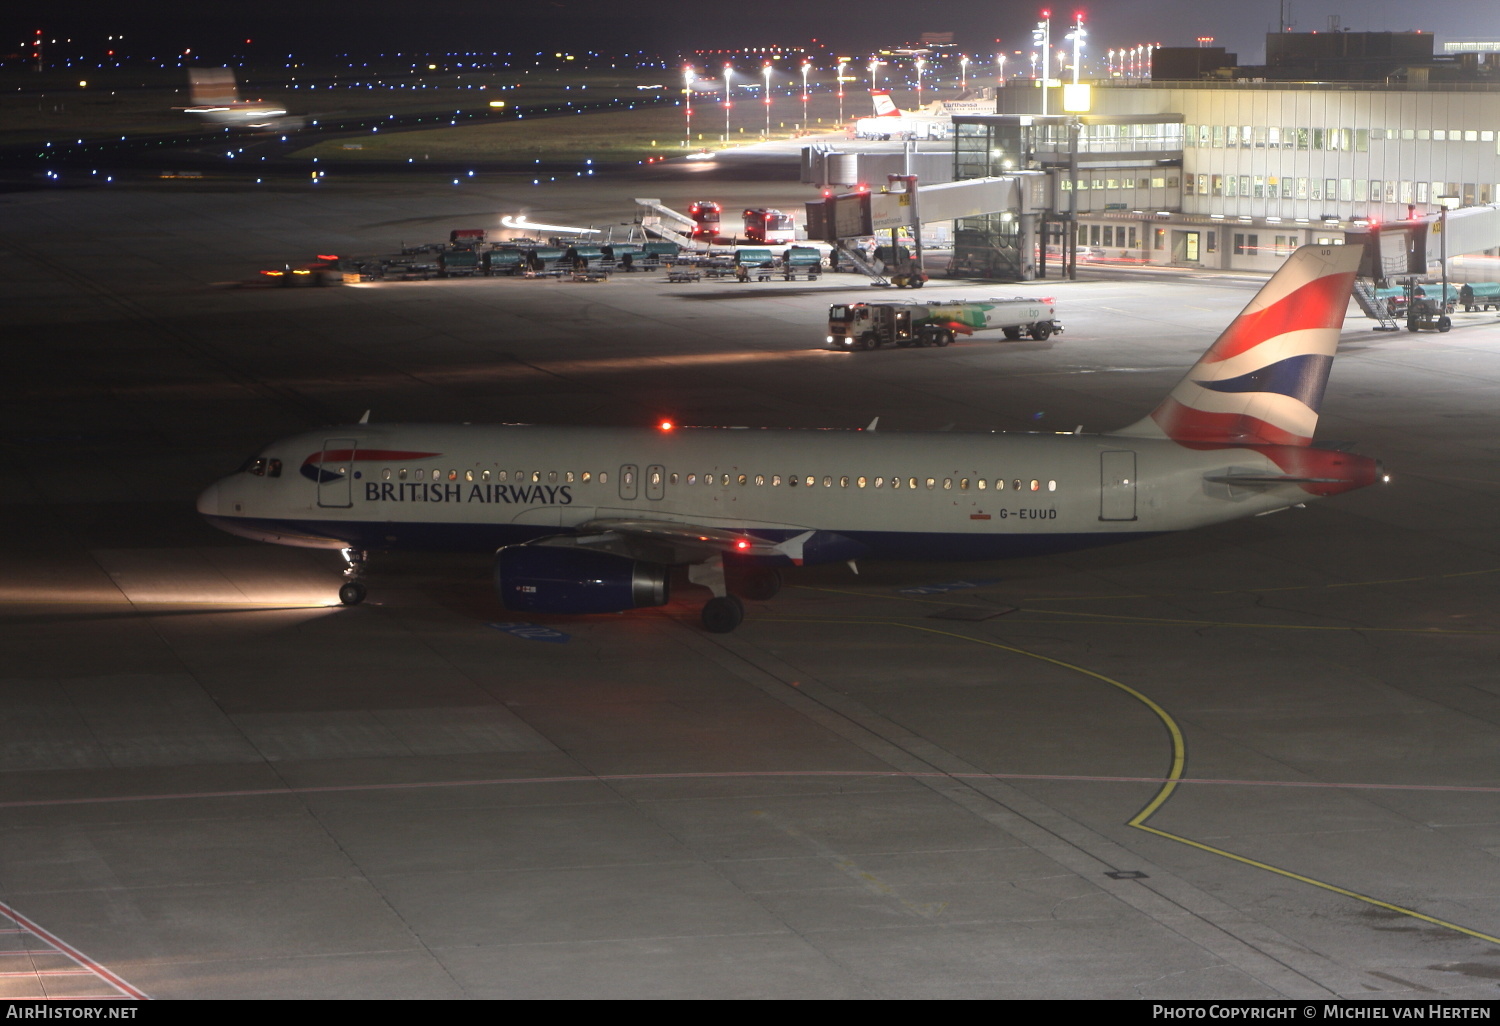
{"x":962,"y":484}
{"x":519,"y":477}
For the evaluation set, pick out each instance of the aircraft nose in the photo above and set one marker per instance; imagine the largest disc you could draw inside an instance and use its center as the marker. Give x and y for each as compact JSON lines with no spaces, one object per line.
{"x":208,"y":501}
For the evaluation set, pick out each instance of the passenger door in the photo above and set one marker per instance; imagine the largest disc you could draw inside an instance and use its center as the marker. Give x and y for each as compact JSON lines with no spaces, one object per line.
{"x":336,"y":473}
{"x":1117,"y":485}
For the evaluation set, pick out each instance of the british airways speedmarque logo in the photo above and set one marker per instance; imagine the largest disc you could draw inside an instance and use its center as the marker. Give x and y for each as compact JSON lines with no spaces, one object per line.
{"x":313,"y":467}
{"x":334,"y":464}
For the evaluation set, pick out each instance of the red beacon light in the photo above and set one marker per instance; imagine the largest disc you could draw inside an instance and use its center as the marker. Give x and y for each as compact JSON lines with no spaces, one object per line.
{"x":666,"y":425}
{"x":742,"y":545}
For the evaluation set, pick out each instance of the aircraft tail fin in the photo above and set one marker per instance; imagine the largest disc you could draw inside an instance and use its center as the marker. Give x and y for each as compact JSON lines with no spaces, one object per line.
{"x":1262,"y":381}
{"x":212,"y":87}
{"x":885,"y":107}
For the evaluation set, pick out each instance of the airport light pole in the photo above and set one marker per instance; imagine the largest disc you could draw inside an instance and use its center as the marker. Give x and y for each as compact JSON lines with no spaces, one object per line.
{"x":728,"y":71}
{"x":687,"y":105}
{"x":963,"y":74}
{"x":1042,"y":36}
{"x":1077,"y":36}
{"x":806,"y":67}
{"x":765,"y":72}
{"x":920,"y":63}
{"x":874,"y":64}
{"x":1000,"y":60}
{"x":843,"y":63}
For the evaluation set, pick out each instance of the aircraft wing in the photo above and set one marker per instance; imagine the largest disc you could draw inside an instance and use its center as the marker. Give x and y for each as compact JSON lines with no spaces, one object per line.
{"x":663,"y":541}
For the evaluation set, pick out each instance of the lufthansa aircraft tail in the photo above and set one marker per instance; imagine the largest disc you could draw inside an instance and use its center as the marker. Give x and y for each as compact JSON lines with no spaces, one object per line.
{"x":1262,"y":381}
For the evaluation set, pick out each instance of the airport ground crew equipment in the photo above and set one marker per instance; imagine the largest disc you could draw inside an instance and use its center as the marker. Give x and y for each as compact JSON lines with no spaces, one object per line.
{"x":871,"y":325}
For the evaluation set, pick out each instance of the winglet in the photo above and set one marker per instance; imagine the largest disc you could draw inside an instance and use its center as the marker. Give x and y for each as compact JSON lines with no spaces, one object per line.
{"x":872,"y":424}
{"x":366,"y":418}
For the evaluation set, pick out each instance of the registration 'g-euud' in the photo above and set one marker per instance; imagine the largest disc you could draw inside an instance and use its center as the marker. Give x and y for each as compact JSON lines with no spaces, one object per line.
{"x":589,"y":520}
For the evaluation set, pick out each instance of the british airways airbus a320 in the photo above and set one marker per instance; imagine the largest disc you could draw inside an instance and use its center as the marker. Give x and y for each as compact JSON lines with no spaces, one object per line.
{"x":590,"y":520}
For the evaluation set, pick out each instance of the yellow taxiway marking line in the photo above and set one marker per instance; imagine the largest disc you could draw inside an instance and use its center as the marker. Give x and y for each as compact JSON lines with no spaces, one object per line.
{"x":1168,"y":594}
{"x":1124,"y":619}
{"x":1174,"y":777}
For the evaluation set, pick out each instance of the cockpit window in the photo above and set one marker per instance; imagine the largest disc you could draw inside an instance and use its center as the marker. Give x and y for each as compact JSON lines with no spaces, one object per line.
{"x":260,"y":466}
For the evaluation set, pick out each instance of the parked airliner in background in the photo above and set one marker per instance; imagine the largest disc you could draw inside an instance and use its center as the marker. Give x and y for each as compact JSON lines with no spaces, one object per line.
{"x":216,"y":99}
{"x":589,"y":520}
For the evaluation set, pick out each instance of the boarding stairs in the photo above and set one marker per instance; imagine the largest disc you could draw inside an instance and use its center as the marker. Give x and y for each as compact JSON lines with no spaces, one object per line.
{"x":858,"y":260}
{"x":655,"y":218}
{"x":1373,"y":306}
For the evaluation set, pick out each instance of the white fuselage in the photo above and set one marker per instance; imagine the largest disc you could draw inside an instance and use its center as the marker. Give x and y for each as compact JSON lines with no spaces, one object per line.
{"x":887,"y":494}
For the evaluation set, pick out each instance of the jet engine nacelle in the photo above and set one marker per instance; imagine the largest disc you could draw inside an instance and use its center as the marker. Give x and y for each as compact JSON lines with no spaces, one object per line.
{"x":557,"y":579}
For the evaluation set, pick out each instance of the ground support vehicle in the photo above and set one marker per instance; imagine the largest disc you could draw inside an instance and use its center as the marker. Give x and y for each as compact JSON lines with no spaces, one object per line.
{"x":1426,"y":315}
{"x":763,"y":224}
{"x":456,"y":263}
{"x":1479,"y":295}
{"x":707,"y":214}
{"x":656,"y":254}
{"x":504,"y":261}
{"x":871,"y":325}
{"x":801,"y":261}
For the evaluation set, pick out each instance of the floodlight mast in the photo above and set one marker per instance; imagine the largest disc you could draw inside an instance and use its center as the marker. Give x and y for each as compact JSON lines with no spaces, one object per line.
{"x":765,"y":71}
{"x":843,"y":63}
{"x":1077,"y":36}
{"x":1042,"y":35}
{"x":806,"y":67}
{"x":728,"y":70}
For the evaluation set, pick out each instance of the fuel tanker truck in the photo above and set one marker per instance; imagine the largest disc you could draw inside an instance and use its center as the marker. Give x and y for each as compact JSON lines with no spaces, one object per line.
{"x":871,"y":325}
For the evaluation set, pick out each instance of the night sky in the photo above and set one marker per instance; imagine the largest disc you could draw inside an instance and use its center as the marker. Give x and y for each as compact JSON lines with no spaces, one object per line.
{"x":669,"y":26}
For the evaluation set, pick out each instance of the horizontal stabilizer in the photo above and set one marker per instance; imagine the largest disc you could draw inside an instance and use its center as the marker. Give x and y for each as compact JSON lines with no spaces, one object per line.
{"x":1271,"y":479}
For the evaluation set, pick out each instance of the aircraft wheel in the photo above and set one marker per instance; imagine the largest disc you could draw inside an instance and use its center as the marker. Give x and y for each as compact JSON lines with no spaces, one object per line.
{"x":759,"y":585}
{"x":722,"y":615}
{"x":352,"y":593}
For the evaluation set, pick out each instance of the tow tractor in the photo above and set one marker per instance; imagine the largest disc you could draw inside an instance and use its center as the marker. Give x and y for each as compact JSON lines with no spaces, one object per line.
{"x":872,"y":325}
{"x":1425,"y":310}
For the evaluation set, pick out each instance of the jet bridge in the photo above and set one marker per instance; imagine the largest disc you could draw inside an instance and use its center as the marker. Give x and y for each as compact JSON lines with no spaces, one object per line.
{"x":861,"y":214}
{"x":1398,"y":252}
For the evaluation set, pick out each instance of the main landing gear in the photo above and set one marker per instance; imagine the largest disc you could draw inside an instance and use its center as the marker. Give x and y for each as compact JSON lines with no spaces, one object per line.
{"x":353,"y":591}
{"x":724,"y":612}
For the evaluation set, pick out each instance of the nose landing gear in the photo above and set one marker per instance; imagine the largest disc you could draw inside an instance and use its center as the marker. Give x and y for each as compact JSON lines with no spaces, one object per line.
{"x":353,"y":591}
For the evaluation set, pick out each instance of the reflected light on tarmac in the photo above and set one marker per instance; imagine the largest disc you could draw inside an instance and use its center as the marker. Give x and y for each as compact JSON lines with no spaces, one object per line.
{"x":22,"y":602}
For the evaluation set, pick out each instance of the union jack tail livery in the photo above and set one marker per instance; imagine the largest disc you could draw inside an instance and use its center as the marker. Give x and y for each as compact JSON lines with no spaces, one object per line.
{"x":1262,"y":381}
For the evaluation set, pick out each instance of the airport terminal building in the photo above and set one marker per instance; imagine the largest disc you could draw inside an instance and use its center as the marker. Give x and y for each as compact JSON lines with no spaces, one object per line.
{"x":1232,"y":169}
{"x":1238,"y":174}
